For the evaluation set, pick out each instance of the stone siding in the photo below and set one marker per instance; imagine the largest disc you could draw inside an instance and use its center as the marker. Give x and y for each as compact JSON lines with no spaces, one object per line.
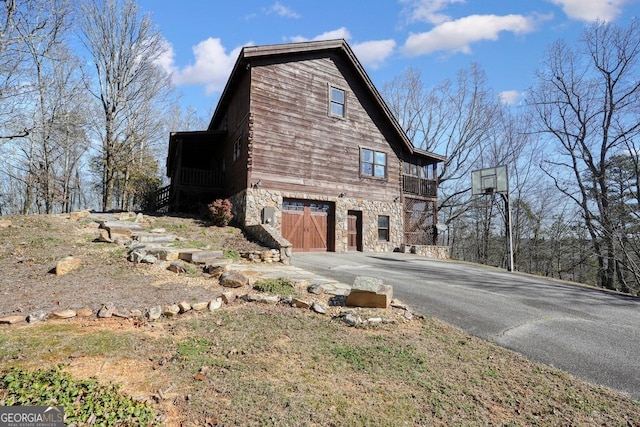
{"x":272,"y":238}
{"x":370,"y":211}
{"x":436,"y":252}
{"x":238,"y":210}
{"x":255,"y":200}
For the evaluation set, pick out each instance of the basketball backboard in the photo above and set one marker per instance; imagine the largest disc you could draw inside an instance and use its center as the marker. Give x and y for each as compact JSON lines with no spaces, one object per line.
{"x":489,"y":180}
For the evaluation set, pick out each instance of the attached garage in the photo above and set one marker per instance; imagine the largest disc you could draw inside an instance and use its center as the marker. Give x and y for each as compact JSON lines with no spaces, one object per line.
{"x":309,"y":225}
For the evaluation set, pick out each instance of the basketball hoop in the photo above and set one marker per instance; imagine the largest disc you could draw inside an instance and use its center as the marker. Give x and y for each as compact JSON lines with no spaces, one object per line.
{"x":490,"y":181}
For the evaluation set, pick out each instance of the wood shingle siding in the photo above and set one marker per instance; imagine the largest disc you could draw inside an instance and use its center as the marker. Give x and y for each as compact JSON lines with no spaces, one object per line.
{"x":296,"y":137}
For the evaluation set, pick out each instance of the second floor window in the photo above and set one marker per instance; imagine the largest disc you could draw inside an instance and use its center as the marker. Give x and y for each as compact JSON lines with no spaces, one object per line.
{"x":373,"y":163}
{"x":236,"y":149}
{"x":336,"y":102}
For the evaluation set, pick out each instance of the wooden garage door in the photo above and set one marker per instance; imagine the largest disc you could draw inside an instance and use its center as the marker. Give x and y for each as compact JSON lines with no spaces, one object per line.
{"x":306,"y":225}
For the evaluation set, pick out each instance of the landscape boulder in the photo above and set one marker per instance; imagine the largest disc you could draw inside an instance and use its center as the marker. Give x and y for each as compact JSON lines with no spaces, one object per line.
{"x":172,"y":310}
{"x":154,"y":238}
{"x":228,"y":297}
{"x":300,"y":303}
{"x":37,"y":316}
{"x":75,"y":216}
{"x":154,"y":312}
{"x":107,"y":310}
{"x":369,"y":292}
{"x":200,"y":257}
{"x":84,"y":312}
{"x":318,"y":308}
{"x":63,"y":314}
{"x":177,"y":267}
{"x":233,"y":279}
{"x":10,"y":320}
{"x":217,"y":268}
{"x":66,"y":265}
{"x":215,"y":304}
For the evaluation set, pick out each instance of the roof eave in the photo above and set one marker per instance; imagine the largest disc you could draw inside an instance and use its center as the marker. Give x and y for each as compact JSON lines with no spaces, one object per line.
{"x":385,"y":108}
{"x":248,"y":52}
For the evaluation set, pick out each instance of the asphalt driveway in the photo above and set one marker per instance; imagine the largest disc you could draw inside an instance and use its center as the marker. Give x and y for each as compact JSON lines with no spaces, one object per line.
{"x":593,"y":334}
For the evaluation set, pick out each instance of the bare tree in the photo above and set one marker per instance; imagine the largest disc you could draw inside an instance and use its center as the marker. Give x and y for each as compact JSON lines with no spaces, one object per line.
{"x":42,"y":36}
{"x":12,"y":58}
{"x":125,"y":49}
{"x":586,"y":101}
{"x":454,"y":118}
{"x":39,"y":104}
{"x":464,"y":120}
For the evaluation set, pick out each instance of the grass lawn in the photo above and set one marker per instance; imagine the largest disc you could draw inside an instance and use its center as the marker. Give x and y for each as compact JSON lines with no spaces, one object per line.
{"x":254,"y":364}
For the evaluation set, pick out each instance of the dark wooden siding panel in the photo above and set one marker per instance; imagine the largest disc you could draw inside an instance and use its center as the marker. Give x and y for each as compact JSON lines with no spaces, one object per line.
{"x":236,"y":174}
{"x":297,"y":145}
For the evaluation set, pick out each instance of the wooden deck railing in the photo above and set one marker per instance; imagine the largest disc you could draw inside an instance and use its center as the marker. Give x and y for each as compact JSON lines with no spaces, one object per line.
{"x":161,"y":199}
{"x":201,"y":178}
{"x":419,"y":186}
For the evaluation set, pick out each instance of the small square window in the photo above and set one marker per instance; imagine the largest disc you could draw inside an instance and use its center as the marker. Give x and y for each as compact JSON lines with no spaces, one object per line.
{"x":373,"y":163}
{"x":337,"y":102}
{"x":383,"y":228}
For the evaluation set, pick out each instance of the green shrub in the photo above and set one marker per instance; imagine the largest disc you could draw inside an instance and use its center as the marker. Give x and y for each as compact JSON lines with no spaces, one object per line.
{"x":279,"y":286}
{"x":231,"y":254}
{"x":81,"y":400}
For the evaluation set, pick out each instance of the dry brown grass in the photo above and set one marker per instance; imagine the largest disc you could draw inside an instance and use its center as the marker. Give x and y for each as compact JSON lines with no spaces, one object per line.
{"x":256,"y":364}
{"x":253,"y":364}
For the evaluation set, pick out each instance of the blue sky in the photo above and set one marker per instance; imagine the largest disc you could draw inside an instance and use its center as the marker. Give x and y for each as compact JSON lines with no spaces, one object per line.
{"x":507,"y":38}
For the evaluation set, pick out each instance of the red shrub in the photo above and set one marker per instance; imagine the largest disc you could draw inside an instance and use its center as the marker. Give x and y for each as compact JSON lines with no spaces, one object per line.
{"x":220,"y":212}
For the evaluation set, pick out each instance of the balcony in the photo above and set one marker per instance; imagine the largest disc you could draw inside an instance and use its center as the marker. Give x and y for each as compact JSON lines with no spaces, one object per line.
{"x":205,"y":178}
{"x":419,"y":186}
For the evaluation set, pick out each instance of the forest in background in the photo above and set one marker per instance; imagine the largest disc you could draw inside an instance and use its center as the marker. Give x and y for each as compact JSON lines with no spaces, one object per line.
{"x":86,"y":109}
{"x":570,"y":148}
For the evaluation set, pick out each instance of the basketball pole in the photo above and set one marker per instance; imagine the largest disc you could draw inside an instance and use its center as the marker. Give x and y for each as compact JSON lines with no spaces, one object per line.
{"x":496,"y":180}
{"x":505,"y":197}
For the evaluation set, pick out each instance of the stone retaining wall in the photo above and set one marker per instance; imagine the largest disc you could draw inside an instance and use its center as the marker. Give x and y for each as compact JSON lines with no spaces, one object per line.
{"x":436,"y":252}
{"x":272,"y":238}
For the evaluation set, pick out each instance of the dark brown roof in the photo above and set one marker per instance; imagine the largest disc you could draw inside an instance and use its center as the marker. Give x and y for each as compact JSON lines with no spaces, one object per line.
{"x":315,"y":46}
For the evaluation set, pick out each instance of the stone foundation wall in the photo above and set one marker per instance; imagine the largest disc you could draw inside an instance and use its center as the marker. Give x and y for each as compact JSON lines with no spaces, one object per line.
{"x":238,"y":209}
{"x":255,"y":200}
{"x":248,"y":208}
{"x":436,"y":252}
{"x":370,"y":212}
{"x":272,"y":238}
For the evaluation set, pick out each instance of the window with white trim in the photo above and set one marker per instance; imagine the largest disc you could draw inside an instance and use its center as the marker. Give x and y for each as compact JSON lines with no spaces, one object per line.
{"x":337,"y":102}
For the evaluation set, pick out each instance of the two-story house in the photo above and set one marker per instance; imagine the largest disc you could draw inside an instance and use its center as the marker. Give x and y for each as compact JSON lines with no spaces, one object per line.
{"x":302,"y":140}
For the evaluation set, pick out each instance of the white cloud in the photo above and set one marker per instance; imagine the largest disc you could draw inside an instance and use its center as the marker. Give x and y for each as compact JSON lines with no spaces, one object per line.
{"x":282,"y":10}
{"x":374,"y":53}
{"x":457,"y":36}
{"x":212,"y":64}
{"x":340,"y":33}
{"x":510,"y":97}
{"x":166,"y":59}
{"x":428,"y":10}
{"x":592,"y":10}
{"x":211,"y":68}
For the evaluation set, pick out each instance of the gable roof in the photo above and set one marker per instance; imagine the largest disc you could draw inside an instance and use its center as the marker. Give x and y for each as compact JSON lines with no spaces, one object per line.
{"x":338,"y":45}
